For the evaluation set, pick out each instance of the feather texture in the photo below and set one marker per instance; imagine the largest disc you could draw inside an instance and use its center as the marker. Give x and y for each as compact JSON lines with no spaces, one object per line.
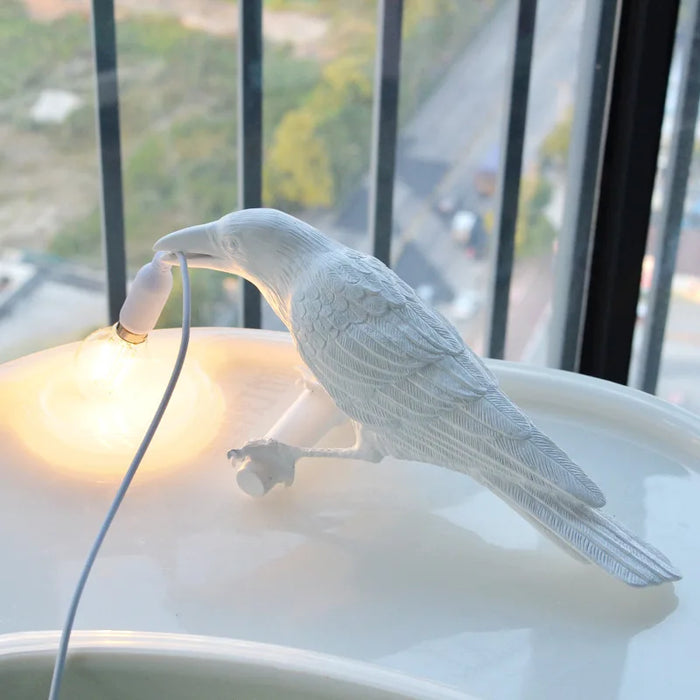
{"x":401,"y":369}
{"x":389,"y":361}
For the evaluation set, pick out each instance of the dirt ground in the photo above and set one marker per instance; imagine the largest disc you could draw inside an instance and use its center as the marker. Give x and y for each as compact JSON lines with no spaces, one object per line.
{"x":304,"y":32}
{"x":42,"y":188}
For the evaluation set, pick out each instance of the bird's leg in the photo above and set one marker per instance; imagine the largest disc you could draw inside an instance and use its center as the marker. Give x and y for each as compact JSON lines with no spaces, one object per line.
{"x":267,"y":462}
{"x":363,"y":448}
{"x":264,"y":463}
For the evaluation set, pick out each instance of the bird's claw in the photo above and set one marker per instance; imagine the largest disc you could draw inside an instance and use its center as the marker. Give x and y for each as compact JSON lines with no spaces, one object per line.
{"x":264,"y":463}
{"x":253,"y":449}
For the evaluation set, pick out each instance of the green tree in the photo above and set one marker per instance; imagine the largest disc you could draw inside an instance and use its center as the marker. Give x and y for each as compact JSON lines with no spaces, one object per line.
{"x":312,"y":147}
{"x":534,"y":231}
{"x":555,"y":147}
{"x":298,"y":167}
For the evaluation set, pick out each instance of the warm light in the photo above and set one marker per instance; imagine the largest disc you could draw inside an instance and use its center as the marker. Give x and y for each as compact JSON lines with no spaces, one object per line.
{"x":104,"y":362}
{"x":94,"y":407}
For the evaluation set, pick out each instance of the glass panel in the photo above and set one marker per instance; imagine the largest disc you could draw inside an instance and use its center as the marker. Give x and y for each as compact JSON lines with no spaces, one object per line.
{"x":177,"y":77}
{"x":318,"y":147}
{"x":454,"y":66}
{"x":50,"y":292}
{"x":543,"y":186}
{"x":679,"y":374}
{"x":319,"y":65}
{"x":679,"y":378}
{"x":450,"y":156}
{"x":317,"y":107}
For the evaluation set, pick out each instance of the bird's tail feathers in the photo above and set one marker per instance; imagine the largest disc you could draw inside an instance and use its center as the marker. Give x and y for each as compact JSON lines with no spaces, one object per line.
{"x":591,"y":534}
{"x":525,"y":447}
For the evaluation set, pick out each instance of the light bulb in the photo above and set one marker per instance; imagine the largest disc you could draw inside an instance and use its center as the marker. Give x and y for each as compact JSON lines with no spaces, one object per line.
{"x":106,"y":357}
{"x":94,"y":404}
{"x":103,"y":362}
{"x":94,"y":417}
{"x":120,"y":384}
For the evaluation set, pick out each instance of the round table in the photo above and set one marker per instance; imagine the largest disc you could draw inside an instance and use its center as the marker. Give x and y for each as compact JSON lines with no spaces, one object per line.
{"x":406,"y":565}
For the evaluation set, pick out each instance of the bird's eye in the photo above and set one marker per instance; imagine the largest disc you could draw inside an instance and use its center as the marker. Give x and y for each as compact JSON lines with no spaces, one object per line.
{"x":231,"y":244}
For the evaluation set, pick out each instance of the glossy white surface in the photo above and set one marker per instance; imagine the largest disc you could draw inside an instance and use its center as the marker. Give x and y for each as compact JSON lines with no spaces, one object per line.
{"x":143,"y":666}
{"x":406,"y":565}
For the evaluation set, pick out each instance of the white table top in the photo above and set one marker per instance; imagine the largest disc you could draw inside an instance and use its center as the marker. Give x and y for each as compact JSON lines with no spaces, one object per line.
{"x":406,"y":565}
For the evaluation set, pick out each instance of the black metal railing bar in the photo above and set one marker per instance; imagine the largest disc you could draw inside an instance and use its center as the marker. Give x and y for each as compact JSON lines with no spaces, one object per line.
{"x":511,"y":169}
{"x":385,"y":119}
{"x":583,"y":176}
{"x":104,"y":43}
{"x":250,"y":136}
{"x":645,"y":44}
{"x":680,"y":156}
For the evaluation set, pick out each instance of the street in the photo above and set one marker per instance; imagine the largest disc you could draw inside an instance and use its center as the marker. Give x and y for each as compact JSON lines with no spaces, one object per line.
{"x":443,"y":145}
{"x":477,"y":87}
{"x":440,"y":150}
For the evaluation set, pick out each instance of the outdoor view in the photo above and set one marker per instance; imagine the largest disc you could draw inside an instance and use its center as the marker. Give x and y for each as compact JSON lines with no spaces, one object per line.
{"x":177,"y":77}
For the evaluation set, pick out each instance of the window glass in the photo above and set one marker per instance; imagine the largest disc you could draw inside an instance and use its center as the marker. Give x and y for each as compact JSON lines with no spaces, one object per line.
{"x":551,"y":104}
{"x":452,"y":87}
{"x":178,"y":78}
{"x":317,"y":106}
{"x":679,"y":371}
{"x":49,"y":291}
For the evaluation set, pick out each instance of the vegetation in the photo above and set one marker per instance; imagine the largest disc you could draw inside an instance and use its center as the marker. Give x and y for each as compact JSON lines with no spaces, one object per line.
{"x":534,"y":232}
{"x":25,"y":46}
{"x":178,"y":114}
{"x":178,"y":110}
{"x":313,"y":154}
{"x":555,"y":147}
{"x":332,"y":124}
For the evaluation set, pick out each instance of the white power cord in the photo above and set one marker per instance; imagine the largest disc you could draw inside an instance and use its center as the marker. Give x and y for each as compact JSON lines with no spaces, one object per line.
{"x":60,"y":663}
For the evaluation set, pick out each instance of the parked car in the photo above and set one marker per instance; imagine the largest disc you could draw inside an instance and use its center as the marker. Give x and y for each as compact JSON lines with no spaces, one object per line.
{"x":446,"y":206}
{"x":469,"y":231}
{"x":486,"y":175}
{"x":463,"y":223}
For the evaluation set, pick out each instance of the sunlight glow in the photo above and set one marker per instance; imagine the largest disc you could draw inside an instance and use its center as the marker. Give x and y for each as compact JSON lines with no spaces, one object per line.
{"x":92,"y":410}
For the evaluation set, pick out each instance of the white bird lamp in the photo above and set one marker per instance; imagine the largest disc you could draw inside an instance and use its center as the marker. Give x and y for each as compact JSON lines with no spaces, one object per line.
{"x":412,"y":389}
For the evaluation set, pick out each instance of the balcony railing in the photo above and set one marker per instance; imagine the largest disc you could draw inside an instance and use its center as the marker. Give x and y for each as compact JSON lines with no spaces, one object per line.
{"x":624,"y":70}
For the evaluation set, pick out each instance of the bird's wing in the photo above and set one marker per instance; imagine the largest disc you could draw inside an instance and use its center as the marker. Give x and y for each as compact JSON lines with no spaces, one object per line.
{"x":400,"y":368}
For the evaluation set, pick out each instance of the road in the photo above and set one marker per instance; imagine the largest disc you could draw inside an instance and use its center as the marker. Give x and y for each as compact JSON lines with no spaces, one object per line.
{"x":443,"y":144}
{"x":679,"y":378}
{"x":464,"y":115}
{"x":471,"y":102}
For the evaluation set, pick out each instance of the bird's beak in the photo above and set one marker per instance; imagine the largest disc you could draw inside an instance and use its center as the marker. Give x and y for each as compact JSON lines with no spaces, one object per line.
{"x":198,"y":243}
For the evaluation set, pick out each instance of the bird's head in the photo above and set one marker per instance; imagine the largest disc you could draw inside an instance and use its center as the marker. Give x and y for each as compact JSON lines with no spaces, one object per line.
{"x":265,"y":246}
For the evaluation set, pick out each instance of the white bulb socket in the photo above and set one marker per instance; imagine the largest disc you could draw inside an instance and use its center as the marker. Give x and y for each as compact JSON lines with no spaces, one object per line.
{"x":145,"y":300}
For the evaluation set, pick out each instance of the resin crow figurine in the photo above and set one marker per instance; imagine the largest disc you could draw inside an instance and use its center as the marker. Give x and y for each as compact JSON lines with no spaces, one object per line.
{"x":402,"y":374}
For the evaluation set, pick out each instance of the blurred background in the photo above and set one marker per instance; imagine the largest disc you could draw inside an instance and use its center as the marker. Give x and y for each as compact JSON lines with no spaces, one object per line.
{"x":177,"y":68}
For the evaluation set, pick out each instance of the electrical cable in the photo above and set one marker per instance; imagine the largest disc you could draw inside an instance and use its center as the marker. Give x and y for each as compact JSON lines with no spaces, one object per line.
{"x":60,"y":663}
